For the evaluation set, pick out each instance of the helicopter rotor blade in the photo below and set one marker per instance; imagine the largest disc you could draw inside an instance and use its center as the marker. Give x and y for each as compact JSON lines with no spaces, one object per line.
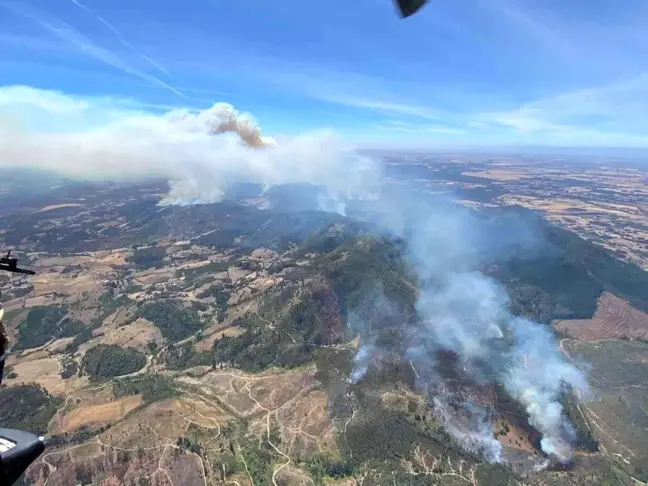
{"x":408,"y":8}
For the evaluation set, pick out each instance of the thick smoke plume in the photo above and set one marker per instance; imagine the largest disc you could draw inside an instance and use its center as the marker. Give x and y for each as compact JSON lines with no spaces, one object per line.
{"x":465,"y":312}
{"x":460,"y":309}
{"x":468,"y":315}
{"x":477,"y":435}
{"x":194,"y":150}
{"x":361,"y":362}
{"x":223,"y":118}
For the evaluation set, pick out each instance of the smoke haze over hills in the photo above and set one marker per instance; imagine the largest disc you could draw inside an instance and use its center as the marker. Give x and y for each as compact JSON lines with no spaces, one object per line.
{"x":459,"y":308}
{"x":466,"y":312}
{"x":100,"y":140}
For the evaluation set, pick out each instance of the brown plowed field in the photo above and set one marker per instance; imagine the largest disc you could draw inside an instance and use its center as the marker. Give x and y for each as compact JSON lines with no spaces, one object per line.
{"x":614,"y":319}
{"x":100,"y":414}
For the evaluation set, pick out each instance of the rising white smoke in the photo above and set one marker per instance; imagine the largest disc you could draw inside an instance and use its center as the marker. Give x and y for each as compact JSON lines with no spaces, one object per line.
{"x":192,"y":149}
{"x":361,"y":363}
{"x":222,"y":118}
{"x":477,"y":436}
{"x":535,"y":375}
{"x":468,"y":313}
{"x":462,"y":310}
{"x":469,"y":316}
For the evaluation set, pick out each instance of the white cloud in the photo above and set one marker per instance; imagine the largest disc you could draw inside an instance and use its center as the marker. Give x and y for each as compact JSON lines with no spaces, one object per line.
{"x":93,"y":138}
{"x":616,"y":111}
{"x":48,"y":101}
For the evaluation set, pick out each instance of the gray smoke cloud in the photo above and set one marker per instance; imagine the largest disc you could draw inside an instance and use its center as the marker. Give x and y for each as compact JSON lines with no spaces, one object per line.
{"x":461,"y":310}
{"x":361,"y":362}
{"x":469,"y":316}
{"x":536,"y":372}
{"x":223,"y":118}
{"x":477,"y":435}
{"x":369,"y":315}
{"x":200,"y":152}
{"x":466,"y":312}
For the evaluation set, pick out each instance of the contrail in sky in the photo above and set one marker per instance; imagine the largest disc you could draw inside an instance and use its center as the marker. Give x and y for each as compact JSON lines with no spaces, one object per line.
{"x":124,"y":42}
{"x":66,"y":32}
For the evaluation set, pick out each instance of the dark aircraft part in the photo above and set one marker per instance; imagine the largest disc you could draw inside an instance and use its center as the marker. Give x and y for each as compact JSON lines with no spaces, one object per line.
{"x":409,"y":7}
{"x":18,"y":449}
{"x":11,"y":265}
{"x":2,"y":362}
{"x":4,"y":344}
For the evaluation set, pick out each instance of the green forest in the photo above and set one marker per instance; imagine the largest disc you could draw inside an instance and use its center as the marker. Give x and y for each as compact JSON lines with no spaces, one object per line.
{"x":351,"y":275}
{"x":45,"y":323}
{"x":209,"y":268}
{"x":174,"y":320}
{"x":219,"y":293}
{"x":27,"y":407}
{"x":565,"y":280}
{"x":152,"y":387}
{"x":109,"y":360}
{"x":147,"y":257}
{"x":182,"y":356}
{"x":258,"y":348}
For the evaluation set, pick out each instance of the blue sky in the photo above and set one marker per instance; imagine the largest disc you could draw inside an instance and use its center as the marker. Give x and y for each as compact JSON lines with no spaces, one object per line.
{"x":491,"y":72}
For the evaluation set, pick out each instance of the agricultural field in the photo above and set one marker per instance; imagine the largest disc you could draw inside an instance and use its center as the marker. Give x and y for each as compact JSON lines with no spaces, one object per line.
{"x":217,"y":344}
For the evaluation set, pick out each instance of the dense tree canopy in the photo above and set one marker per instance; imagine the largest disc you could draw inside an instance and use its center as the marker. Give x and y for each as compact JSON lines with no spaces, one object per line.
{"x":44,"y":323}
{"x":107,"y":361}
{"x":27,"y":407}
{"x":175,"y":321}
